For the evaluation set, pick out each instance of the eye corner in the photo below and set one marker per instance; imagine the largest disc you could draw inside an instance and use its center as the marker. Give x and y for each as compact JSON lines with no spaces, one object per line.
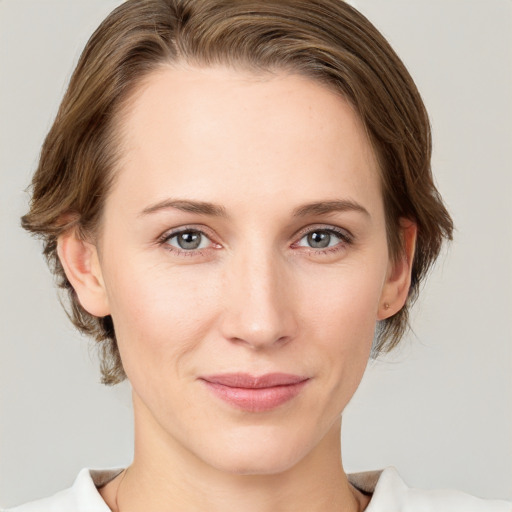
{"x":344,"y":239}
{"x":199,"y":242}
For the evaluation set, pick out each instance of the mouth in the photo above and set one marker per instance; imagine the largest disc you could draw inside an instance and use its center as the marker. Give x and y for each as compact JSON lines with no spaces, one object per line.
{"x":255,"y":393}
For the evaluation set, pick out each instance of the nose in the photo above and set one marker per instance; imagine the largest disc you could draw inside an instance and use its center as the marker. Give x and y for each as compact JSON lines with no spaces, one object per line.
{"x":258,"y":299}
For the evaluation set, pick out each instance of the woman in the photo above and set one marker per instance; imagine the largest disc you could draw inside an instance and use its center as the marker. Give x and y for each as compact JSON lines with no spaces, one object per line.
{"x":237,"y":197}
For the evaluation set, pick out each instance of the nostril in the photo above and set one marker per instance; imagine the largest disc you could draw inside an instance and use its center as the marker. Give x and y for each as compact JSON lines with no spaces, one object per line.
{"x":260,"y":340}
{"x":274,"y":332}
{"x":262,"y":345}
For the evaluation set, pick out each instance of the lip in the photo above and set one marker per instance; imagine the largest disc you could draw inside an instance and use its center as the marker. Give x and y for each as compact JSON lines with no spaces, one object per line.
{"x":255,"y":393}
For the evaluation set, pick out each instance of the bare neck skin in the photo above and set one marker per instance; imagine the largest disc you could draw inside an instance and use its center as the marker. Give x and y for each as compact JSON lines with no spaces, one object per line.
{"x":165,"y":477}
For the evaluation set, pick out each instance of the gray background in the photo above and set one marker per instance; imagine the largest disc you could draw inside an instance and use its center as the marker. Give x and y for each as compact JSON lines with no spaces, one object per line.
{"x":439,"y":409}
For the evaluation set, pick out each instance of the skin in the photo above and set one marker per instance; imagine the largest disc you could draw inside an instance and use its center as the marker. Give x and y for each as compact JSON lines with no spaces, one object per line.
{"x":256,"y":297}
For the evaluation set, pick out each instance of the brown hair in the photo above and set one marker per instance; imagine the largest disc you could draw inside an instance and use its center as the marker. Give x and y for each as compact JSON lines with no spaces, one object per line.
{"x":326,"y":40}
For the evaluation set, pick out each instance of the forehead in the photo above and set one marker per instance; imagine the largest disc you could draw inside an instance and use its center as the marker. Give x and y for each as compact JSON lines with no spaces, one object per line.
{"x":206,"y":131}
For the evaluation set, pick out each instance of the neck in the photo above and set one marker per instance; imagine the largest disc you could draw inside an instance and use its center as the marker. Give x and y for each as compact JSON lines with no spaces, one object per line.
{"x":165,"y":477}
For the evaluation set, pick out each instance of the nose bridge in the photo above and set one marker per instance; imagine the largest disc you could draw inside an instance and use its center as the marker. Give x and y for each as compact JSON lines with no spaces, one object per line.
{"x":258,"y":309}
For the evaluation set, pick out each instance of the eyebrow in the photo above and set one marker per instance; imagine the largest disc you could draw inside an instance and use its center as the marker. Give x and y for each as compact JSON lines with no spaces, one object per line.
{"x":200,"y":207}
{"x":214,"y":210}
{"x":323,"y":207}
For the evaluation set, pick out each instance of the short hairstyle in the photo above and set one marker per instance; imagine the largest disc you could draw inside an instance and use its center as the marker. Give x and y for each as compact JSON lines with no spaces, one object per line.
{"x":326,"y":40}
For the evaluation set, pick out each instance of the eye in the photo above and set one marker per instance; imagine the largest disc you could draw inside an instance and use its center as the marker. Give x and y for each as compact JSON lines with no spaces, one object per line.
{"x":188,"y":240}
{"x":324,"y":239}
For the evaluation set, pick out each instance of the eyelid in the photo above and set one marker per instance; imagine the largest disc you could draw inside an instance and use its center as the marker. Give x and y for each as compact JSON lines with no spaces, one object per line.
{"x":343,"y":233}
{"x":188,"y":227}
{"x":170,"y":233}
{"x":345,"y":236}
{"x":346,"y":239}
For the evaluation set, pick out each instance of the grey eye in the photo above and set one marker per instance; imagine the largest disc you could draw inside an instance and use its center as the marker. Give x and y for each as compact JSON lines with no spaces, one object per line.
{"x":188,"y":240}
{"x":320,"y":239}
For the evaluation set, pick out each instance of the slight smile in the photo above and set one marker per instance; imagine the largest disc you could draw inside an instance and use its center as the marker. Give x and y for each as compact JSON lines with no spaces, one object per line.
{"x":255,"y":393}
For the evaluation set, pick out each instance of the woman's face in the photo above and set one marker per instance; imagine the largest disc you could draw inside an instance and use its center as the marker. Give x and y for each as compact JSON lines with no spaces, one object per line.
{"x":244,"y":260}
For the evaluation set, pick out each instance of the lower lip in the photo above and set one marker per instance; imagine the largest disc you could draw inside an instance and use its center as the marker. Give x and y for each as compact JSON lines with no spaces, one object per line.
{"x":256,"y":399}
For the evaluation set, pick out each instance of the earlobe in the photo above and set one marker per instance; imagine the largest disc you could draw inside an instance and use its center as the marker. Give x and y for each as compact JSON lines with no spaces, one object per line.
{"x":80,"y":261}
{"x":398,"y":281}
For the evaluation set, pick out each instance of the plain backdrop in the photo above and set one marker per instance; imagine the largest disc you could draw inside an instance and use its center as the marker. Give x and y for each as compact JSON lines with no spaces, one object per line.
{"x":439,"y":409}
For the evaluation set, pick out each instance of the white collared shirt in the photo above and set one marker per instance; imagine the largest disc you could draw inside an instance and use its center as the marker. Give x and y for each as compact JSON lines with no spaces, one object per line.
{"x":389,"y":494}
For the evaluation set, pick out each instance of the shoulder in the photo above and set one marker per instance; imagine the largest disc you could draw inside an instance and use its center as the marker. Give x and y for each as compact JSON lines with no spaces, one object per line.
{"x":83,"y":496}
{"x":390,"y":492}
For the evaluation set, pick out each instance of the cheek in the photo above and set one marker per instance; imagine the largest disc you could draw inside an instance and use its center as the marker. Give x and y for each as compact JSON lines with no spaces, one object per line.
{"x":159,"y":314}
{"x":344,"y":300}
{"x":340,"y":316}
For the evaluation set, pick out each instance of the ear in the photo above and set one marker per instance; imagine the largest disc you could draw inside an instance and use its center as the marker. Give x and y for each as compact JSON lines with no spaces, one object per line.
{"x":81,"y":264}
{"x":398,"y":280}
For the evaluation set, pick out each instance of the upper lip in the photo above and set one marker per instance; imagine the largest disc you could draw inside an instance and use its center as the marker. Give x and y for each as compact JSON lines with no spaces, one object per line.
{"x":248,"y":381}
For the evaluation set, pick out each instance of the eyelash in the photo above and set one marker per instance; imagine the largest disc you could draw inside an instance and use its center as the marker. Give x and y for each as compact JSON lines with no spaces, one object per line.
{"x":166,"y":237}
{"x":346,"y":239}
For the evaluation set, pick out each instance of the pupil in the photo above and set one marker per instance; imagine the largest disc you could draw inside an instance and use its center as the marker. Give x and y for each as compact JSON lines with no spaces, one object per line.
{"x":189,"y":240}
{"x":319,"y":239}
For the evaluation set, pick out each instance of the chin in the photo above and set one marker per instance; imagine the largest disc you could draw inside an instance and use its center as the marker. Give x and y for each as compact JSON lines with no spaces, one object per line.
{"x":259,"y":453}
